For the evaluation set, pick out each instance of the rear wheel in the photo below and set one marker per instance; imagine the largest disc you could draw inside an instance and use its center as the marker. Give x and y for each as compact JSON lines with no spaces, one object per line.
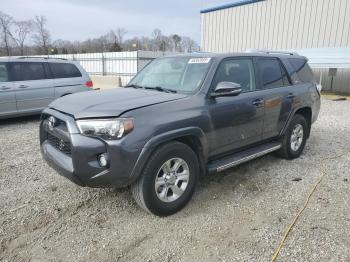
{"x":294,"y":140}
{"x":168,"y":180}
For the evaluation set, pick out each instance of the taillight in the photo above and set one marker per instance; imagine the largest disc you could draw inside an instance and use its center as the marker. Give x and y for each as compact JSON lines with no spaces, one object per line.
{"x":319,"y":88}
{"x":89,"y":84}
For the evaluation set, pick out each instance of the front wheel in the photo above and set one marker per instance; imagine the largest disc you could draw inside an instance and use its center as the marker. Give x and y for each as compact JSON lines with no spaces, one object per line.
{"x":168,"y":180}
{"x":294,"y":140}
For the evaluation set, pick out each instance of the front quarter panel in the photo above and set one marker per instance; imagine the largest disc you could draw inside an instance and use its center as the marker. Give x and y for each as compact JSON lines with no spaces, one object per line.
{"x":155,"y":120}
{"x":158,"y":124}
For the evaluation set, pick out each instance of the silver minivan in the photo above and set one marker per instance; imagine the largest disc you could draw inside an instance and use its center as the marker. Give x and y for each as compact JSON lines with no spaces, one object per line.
{"x":28,"y":85}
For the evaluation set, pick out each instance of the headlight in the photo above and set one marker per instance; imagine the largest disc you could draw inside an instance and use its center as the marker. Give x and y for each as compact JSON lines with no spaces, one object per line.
{"x":106,"y":128}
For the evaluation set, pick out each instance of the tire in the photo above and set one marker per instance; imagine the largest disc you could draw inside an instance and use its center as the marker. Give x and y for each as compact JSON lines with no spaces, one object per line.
{"x":169,"y":164}
{"x":293,"y":150}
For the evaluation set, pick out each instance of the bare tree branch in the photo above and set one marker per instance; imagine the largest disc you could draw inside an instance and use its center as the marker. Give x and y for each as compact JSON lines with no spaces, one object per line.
{"x":177,"y":40}
{"x":157,"y":39}
{"x":20,"y":33}
{"x":6,"y":22}
{"x":42,"y":35}
{"x":188,"y":44}
{"x":120,"y":32}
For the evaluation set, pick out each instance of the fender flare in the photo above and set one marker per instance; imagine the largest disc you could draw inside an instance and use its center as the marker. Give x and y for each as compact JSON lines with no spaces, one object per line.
{"x":157,"y":140}
{"x":291,"y":115}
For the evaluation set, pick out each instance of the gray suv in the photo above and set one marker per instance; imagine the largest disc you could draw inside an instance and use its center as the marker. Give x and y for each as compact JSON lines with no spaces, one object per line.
{"x":28,"y":85}
{"x":180,"y":118}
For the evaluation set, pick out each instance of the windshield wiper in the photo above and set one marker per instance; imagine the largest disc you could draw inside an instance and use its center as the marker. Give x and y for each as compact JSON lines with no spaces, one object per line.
{"x":158,"y":88}
{"x":134,"y":86}
{"x":162,"y":89}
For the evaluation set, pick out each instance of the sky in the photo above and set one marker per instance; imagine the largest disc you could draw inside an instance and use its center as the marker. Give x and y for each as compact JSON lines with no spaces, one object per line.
{"x":83,"y":19}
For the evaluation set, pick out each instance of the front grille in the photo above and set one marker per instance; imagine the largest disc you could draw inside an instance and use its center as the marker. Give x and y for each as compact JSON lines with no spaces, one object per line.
{"x":60,"y":144}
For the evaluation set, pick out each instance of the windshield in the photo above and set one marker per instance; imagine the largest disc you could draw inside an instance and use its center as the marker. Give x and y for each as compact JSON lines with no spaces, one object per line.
{"x":180,"y":74}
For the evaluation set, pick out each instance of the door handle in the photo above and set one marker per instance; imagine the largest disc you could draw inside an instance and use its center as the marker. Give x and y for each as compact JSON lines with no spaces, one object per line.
{"x":258,"y":102}
{"x":23,"y":86}
{"x":290,"y":96}
{"x":5,"y":88}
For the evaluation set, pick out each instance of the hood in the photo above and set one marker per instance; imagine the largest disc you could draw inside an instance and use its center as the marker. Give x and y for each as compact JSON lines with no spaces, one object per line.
{"x":110,"y":103}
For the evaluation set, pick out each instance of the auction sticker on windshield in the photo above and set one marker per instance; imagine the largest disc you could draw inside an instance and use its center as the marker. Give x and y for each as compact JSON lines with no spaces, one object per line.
{"x":199,"y":60}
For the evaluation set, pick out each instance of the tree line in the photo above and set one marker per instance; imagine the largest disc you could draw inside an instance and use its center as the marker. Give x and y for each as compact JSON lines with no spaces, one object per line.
{"x":32,"y":37}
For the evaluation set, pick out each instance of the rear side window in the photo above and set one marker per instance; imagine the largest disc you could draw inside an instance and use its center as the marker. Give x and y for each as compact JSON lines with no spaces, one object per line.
{"x":33,"y":71}
{"x":4,"y":77}
{"x":64,"y":70}
{"x":23,"y":71}
{"x":301,"y":69}
{"x":271,"y":73}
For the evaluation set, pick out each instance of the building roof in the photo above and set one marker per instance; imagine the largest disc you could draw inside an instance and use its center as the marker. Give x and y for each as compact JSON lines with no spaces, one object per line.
{"x":230,"y":5}
{"x":335,"y":57}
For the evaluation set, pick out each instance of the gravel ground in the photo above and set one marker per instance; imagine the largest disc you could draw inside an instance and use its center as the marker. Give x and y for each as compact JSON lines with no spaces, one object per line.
{"x":240,"y":215}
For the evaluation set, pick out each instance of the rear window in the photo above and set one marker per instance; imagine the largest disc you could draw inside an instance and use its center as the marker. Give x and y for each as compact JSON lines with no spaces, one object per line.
{"x":301,"y":69}
{"x":3,"y":73}
{"x":64,"y":70}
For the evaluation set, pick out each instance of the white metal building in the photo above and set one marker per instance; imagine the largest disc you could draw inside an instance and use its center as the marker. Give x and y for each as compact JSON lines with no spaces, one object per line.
{"x":282,"y":24}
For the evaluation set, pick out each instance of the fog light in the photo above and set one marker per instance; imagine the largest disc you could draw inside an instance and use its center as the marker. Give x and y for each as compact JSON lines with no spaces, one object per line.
{"x":103,"y":160}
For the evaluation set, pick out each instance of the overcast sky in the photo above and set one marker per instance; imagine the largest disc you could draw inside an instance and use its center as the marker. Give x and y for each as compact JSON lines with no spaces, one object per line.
{"x":82,"y":19}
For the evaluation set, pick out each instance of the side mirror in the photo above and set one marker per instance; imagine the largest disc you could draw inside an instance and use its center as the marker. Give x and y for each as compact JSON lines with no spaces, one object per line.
{"x":226,"y":89}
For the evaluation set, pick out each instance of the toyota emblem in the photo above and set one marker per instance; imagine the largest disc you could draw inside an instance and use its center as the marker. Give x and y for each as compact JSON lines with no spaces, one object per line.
{"x":52,"y":122}
{"x":61,"y":145}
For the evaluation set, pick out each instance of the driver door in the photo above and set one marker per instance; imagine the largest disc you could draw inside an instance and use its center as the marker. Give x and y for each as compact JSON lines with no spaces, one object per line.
{"x":237,"y":121}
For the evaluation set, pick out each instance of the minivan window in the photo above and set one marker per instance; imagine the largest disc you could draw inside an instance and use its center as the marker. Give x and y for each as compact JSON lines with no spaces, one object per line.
{"x":301,"y":69}
{"x":64,"y":70}
{"x":33,"y":71}
{"x":271,"y":73}
{"x":23,"y":71}
{"x":3,"y":73}
{"x":240,"y":71}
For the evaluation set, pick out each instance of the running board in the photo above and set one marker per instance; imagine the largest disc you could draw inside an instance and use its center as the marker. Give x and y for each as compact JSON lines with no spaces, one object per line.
{"x":241,"y":157}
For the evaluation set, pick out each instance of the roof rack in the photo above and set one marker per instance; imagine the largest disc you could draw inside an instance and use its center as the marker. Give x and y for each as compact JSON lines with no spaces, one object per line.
{"x":40,"y":57}
{"x":201,"y":52}
{"x":30,"y":57}
{"x":266,"y":51}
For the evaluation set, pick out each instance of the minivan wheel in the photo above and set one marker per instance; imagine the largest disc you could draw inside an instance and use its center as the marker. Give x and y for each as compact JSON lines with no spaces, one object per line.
{"x":294,"y":140}
{"x":168,"y":180}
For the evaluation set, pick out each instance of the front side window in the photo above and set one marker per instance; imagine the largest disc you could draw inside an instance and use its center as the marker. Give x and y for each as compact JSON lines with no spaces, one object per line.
{"x":271,"y":73}
{"x":182,"y":74}
{"x":240,"y":71}
{"x":3,"y":73}
{"x":64,"y":70}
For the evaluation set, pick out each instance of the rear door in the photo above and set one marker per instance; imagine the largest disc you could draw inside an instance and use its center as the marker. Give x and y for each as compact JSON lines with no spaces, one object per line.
{"x":67,"y":78}
{"x":237,"y":120}
{"x":34,"y":91}
{"x":277,"y":92}
{"x":7,"y":92}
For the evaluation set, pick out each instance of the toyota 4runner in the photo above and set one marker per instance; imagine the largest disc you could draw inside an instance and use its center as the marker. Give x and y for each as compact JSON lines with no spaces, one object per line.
{"x":180,"y":118}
